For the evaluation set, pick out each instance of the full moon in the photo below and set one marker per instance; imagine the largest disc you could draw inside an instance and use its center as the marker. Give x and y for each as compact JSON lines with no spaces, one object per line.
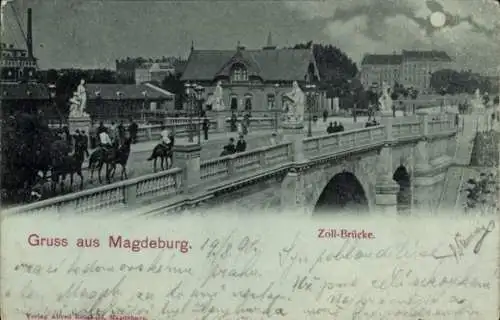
{"x":438,"y":19}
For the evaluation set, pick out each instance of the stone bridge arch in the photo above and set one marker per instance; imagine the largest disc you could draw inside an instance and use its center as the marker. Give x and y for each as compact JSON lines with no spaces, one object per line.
{"x":343,"y":193}
{"x":363,"y":170}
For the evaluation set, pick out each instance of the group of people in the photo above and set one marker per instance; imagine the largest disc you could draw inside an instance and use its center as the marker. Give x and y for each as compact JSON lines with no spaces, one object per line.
{"x":113,"y":135}
{"x":334,"y":127}
{"x":232,"y":148}
{"x":242,"y":126}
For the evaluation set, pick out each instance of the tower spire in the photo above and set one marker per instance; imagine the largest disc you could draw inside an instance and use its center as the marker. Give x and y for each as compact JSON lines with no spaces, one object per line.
{"x":269,"y":45}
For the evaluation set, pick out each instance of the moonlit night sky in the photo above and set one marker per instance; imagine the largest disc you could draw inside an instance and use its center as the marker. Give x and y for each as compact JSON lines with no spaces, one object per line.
{"x":92,"y":34}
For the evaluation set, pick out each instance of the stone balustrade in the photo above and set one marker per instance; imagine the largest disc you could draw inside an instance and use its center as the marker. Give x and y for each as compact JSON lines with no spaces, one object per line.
{"x":181,"y":129}
{"x":110,"y":197}
{"x":227,"y":169}
{"x":343,"y":141}
{"x":245,"y":162}
{"x":407,"y":130}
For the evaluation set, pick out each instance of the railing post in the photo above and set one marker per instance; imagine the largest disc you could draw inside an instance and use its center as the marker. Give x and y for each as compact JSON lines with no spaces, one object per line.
{"x":424,"y":122}
{"x":187,"y":157}
{"x":230,"y":166}
{"x":387,"y":121}
{"x":386,"y":188}
{"x":292,"y":186}
{"x":423,"y":177}
{"x":220,"y":120}
{"x":149,"y":134}
{"x":130,"y":194}
{"x":294,"y":132}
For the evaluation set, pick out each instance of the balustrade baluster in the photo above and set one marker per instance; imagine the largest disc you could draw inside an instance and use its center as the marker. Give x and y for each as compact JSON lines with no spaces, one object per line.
{"x":262,"y":158}
{"x":230,"y":166}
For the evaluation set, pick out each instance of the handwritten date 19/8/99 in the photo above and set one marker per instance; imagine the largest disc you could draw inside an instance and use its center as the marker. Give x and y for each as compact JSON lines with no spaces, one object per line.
{"x":224,"y":247}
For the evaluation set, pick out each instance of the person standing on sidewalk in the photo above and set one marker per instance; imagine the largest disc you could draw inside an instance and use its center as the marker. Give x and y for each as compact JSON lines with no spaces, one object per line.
{"x":132,"y":130}
{"x":206,"y":125}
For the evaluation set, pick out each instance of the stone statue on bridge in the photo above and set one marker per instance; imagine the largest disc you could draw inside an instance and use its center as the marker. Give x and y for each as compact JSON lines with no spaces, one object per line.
{"x":216,"y":100}
{"x":294,"y":102}
{"x":79,"y":102}
{"x":385,"y":100}
{"x":477,"y":102}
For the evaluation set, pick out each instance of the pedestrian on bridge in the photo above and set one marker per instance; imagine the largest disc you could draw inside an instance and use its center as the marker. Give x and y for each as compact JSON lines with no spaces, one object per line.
{"x":206,"y":125}
{"x":132,"y":130}
{"x":241,"y":145}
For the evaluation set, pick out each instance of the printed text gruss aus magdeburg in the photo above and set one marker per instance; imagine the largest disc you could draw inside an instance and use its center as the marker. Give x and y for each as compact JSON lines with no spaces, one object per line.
{"x":113,"y":242}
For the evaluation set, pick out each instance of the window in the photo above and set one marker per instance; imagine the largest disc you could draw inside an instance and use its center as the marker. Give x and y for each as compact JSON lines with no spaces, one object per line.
{"x":239,"y":73}
{"x":271,"y":101}
{"x":234,"y":103}
{"x":248,"y":102}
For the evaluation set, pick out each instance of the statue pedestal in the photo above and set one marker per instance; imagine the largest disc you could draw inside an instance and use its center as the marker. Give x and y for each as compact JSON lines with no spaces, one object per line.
{"x":79,"y":123}
{"x":292,"y":127}
{"x":294,"y":132}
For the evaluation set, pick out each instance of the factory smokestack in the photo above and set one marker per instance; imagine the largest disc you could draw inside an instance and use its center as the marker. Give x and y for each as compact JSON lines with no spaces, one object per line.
{"x":29,"y":36}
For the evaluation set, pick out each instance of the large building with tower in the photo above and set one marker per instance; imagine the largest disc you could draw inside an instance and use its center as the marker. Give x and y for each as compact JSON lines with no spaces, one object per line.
{"x":19,"y":90}
{"x":410,"y":68}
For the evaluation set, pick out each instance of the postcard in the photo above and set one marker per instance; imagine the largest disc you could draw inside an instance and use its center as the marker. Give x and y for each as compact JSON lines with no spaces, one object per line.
{"x":247,"y":160}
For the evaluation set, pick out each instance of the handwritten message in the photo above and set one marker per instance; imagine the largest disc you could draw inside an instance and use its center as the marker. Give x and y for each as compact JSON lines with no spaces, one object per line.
{"x":251,"y":268}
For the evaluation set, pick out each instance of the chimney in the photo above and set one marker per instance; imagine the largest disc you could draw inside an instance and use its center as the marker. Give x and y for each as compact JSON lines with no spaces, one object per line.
{"x":29,"y":36}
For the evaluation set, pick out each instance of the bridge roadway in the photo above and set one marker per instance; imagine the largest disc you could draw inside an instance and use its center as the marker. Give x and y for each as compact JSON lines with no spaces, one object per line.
{"x":221,"y":181}
{"x":138,"y":165}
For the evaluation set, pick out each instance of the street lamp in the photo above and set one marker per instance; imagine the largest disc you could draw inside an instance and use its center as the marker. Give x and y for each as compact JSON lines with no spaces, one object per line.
{"x":189,"y":94}
{"x":52,"y":93}
{"x":275,"y":106}
{"x":143,"y":116}
{"x":311,"y":99}
{"x":198,"y":89}
{"x":442,"y":92}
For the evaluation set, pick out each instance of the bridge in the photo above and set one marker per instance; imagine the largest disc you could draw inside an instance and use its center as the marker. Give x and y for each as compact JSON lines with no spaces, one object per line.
{"x":394,"y":167}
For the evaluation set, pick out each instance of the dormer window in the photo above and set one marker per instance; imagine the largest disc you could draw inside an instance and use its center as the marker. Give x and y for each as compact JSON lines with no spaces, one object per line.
{"x":239,"y":73}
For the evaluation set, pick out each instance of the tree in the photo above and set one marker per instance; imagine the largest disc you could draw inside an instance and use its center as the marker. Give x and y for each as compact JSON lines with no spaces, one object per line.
{"x":443,"y":79}
{"x":173,"y":83}
{"x":481,"y":193}
{"x":334,"y":66}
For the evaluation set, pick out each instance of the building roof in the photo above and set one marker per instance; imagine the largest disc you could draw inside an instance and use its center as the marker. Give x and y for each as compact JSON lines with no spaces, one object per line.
{"x":126,"y":91}
{"x":388,"y":59}
{"x":426,"y":55}
{"x":24,"y":91}
{"x":270,"y":65}
{"x":382,"y":59}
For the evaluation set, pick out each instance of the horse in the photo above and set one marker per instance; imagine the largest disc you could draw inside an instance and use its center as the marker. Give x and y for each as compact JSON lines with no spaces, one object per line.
{"x":121,"y":158}
{"x":100,"y":157}
{"x":67,"y":165}
{"x":164,"y":152}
